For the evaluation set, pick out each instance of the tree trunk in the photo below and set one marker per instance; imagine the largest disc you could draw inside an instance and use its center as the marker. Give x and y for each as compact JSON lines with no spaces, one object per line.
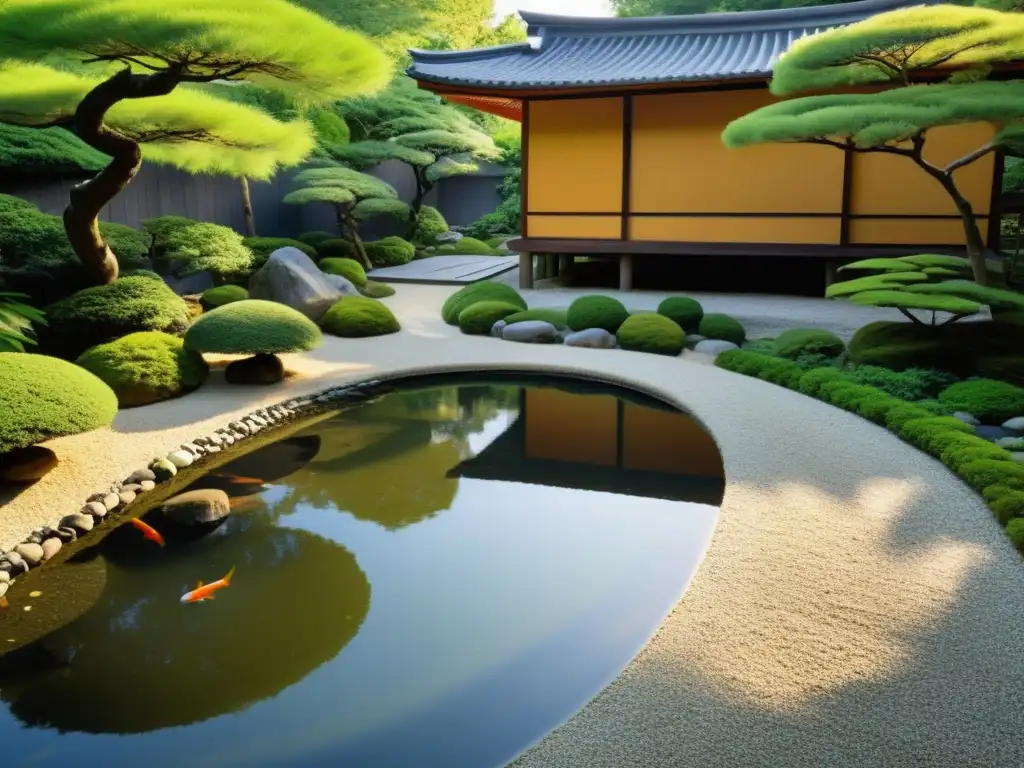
{"x":81,"y":217}
{"x":423,"y":188}
{"x":250,"y":222}
{"x":348,"y":225}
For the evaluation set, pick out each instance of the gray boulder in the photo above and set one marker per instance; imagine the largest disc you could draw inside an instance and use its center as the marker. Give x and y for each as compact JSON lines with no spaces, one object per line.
{"x":693,"y":339}
{"x":1016,"y":424}
{"x":190,"y":284}
{"x":448,"y":238}
{"x":714,"y":346}
{"x":967,"y":418}
{"x":290,"y":277}
{"x":530,"y":332}
{"x":204,"y":507}
{"x":497,"y":328}
{"x":592,"y":338}
{"x":343,"y":285}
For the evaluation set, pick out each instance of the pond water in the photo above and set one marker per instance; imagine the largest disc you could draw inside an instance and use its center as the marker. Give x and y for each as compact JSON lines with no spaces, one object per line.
{"x":435,"y":578}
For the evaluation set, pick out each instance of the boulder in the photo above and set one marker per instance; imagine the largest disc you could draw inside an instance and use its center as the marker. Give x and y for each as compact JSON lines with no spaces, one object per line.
{"x":693,"y":339}
{"x":497,"y":328}
{"x":966,"y":418}
{"x":448,"y":238}
{"x":51,"y":547}
{"x":204,"y":507}
{"x":259,"y":369}
{"x":290,"y":277}
{"x":26,"y":465}
{"x":714,"y":346}
{"x":1016,"y":424}
{"x":530,"y":332}
{"x":32,"y":553}
{"x":190,"y":284}
{"x":344,"y":286}
{"x":592,"y":338}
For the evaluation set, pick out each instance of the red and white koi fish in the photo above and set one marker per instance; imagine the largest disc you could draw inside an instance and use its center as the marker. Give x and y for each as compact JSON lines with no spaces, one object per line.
{"x":148,"y":531}
{"x":205,"y":592}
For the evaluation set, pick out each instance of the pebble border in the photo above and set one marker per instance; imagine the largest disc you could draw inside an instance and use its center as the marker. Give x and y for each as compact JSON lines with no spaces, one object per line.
{"x":43,"y":543}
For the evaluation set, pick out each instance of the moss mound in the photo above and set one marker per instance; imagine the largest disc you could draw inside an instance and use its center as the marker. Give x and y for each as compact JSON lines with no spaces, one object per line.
{"x":253,"y":327}
{"x":357,"y":317}
{"x":262,"y":247}
{"x":651,"y":332}
{"x":991,"y":401}
{"x":557,"y":317}
{"x":1015,"y":530}
{"x":480,"y":317}
{"x":146,"y":367}
{"x":350,"y":269}
{"x":44,"y":397}
{"x":470,"y":246}
{"x":107,"y":312}
{"x":389,"y":251}
{"x":315,"y":237}
{"x":718,"y":326}
{"x":374,"y":290}
{"x":429,"y":225}
{"x":596,"y":312}
{"x":336,"y":248}
{"x":899,"y":346}
{"x":686,"y":312}
{"x":221,"y":295}
{"x":483,"y":291}
{"x":808,"y":341}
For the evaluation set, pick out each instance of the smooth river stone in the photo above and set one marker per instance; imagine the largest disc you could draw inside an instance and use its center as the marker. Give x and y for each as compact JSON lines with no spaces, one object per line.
{"x":51,"y":547}
{"x":530,"y":332}
{"x":1016,"y":424}
{"x":33,"y":553}
{"x":202,"y":507}
{"x":591,"y":338}
{"x":714,"y":346}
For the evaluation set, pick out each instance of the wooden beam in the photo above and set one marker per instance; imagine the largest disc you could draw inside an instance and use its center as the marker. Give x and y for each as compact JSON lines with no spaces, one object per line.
{"x":524,"y":176}
{"x":627,"y":162}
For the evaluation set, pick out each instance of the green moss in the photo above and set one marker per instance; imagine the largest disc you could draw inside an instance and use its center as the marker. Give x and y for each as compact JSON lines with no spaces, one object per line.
{"x":253,"y":327}
{"x":990,"y":401}
{"x":596,"y":312}
{"x":718,"y":326}
{"x":761,"y":347}
{"x":389,"y":251}
{"x":1015,"y":531}
{"x":429,"y":225}
{"x":985,"y":472}
{"x":263,"y":247}
{"x":932,"y":433}
{"x":223,"y":294}
{"x":470,"y":246}
{"x":336,"y":248}
{"x":204,"y":247}
{"x":130,"y":246}
{"x":357,"y":317}
{"x":557,"y":317}
{"x":812,"y":381}
{"x":44,"y":397}
{"x":480,"y":317}
{"x":350,"y":269}
{"x":494,"y":242}
{"x":146,"y":367}
{"x":902,"y":345}
{"x":799,"y":341}
{"x":686,"y":312}
{"x":994,"y":492}
{"x":482,"y":291}
{"x":106,"y":312}
{"x":775,"y":370}
{"x":374,"y":290}
{"x":652,"y":333}
{"x":911,"y":384}
{"x":936,"y":407}
{"x":160,"y":227}
{"x":315,"y":237}
{"x":959,"y":449}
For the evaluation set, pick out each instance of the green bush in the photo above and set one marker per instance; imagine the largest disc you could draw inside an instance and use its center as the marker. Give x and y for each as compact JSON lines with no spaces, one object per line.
{"x":898,"y":346}
{"x":470,"y":246}
{"x":959,"y":449}
{"x":801,"y":341}
{"x":205,"y":247}
{"x":253,"y":327}
{"x":910,"y":384}
{"x":900,"y":415}
{"x":106,"y":312}
{"x":990,"y":401}
{"x":494,"y":242}
{"x":651,"y":332}
{"x":389,"y":251}
{"x":43,"y":397}
{"x":935,"y":407}
{"x":760,"y":346}
{"x":985,"y":472}
{"x":315,"y":237}
{"x":930,"y":434}
{"x":263,"y":247}
{"x":429,"y":225}
{"x":130,"y":246}
{"x":160,"y":227}
{"x":740,"y":361}
{"x":13,"y":204}
{"x":221,"y":295}
{"x":336,"y":248}
{"x":480,"y":317}
{"x":374,"y":290}
{"x":482,"y":291}
{"x":718,"y":326}
{"x":596,"y":312}
{"x":776,"y":370}
{"x":145,"y":367}
{"x":812,"y":381}
{"x":554,"y":316}
{"x":1015,"y":530}
{"x":357,"y":317}
{"x":350,"y":269}
{"x":686,"y":312}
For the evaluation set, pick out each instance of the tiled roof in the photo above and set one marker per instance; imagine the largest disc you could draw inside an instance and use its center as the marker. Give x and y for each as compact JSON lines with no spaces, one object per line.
{"x":570,"y":52}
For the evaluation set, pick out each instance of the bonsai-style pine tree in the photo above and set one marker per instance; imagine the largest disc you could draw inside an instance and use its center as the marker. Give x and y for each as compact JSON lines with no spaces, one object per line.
{"x":888,"y":49}
{"x":143,"y":49}
{"x":354,"y":196}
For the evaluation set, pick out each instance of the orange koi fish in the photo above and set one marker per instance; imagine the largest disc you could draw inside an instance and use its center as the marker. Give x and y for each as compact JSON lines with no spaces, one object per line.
{"x":202,"y":592}
{"x":148,"y":531}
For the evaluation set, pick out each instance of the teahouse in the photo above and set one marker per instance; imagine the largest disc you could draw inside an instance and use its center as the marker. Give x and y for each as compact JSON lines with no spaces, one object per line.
{"x":622,"y":151}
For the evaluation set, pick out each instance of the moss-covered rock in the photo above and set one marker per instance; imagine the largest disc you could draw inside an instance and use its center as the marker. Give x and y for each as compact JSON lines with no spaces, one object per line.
{"x":715,"y":325}
{"x":480,"y":317}
{"x":146,"y":367}
{"x":107,"y":312}
{"x":262,"y":247}
{"x":808,"y":341}
{"x":686,"y":312}
{"x":482,"y":291}
{"x":557,"y":317}
{"x":374,"y":290}
{"x":357,"y":317}
{"x":221,"y":295}
{"x":990,"y":401}
{"x":315,"y":237}
{"x":44,"y":397}
{"x":350,"y":269}
{"x":470,"y":246}
{"x":253,"y":327}
{"x":596,"y":312}
{"x":389,"y":251}
{"x":429,"y":224}
{"x":651,"y":332}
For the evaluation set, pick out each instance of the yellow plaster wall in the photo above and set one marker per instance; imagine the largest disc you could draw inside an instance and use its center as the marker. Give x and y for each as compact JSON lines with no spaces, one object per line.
{"x":724,"y":229}
{"x":589,"y":227}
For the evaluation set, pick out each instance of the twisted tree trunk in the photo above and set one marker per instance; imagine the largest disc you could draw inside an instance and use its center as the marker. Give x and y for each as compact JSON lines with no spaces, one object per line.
{"x":348,"y":224}
{"x":250,"y":222}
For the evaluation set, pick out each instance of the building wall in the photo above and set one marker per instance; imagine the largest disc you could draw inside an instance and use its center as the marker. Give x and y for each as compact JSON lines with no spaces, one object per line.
{"x":685,"y":185}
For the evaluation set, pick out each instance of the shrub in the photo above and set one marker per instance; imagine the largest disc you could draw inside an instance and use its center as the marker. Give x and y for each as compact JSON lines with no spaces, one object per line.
{"x":1015,"y":530}
{"x":13,"y":204}
{"x":985,"y":472}
{"x":801,"y":341}
{"x":470,"y":246}
{"x":263,"y":247}
{"x":482,"y":291}
{"x":221,"y":295}
{"x":44,"y":397}
{"x":930,"y":434}
{"x":429,"y":224}
{"x":161,"y":227}
{"x":16,"y":318}
{"x":357,"y":317}
{"x":106,"y":312}
{"x":936,"y":407}
{"x":651,"y":332}
{"x":205,"y":247}
{"x":596,"y":312}
{"x":253,"y":327}
{"x":990,"y":401}
{"x":374,"y":290}
{"x":811,"y":382}
{"x":480,"y":317}
{"x":315,"y":237}
{"x":130,"y":246}
{"x":994,"y":492}
{"x":898,"y":346}
{"x":389,"y":251}
{"x":900,"y":415}
{"x":718,"y":326}
{"x":686,"y":312}
{"x":145,"y":367}
{"x":336,"y":248}
{"x":495,"y":242}
{"x":350,"y":269}
{"x":760,"y":346}
{"x":785,"y":373}
{"x":554,"y":316}
{"x":740,"y":361}
{"x":960,"y":449}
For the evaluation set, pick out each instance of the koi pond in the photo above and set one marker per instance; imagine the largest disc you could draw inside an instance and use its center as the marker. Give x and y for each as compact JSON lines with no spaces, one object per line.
{"x":437,"y":577}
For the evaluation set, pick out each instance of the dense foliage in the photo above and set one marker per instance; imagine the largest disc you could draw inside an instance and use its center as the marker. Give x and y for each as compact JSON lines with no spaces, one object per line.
{"x":651,"y":332}
{"x":204,"y":247}
{"x":357,"y":317}
{"x":686,"y":312}
{"x":715,"y":325}
{"x":990,"y":401}
{"x":505,"y":220}
{"x":253,"y":327}
{"x":596,"y":312}
{"x":16,"y":319}
{"x":46,"y":151}
{"x":801,"y":341}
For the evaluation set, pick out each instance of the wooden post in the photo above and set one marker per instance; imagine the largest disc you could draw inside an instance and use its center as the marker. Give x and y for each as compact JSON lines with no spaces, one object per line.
{"x":831,"y":267}
{"x":525,"y":270}
{"x":564,"y":264}
{"x":626,"y":272}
